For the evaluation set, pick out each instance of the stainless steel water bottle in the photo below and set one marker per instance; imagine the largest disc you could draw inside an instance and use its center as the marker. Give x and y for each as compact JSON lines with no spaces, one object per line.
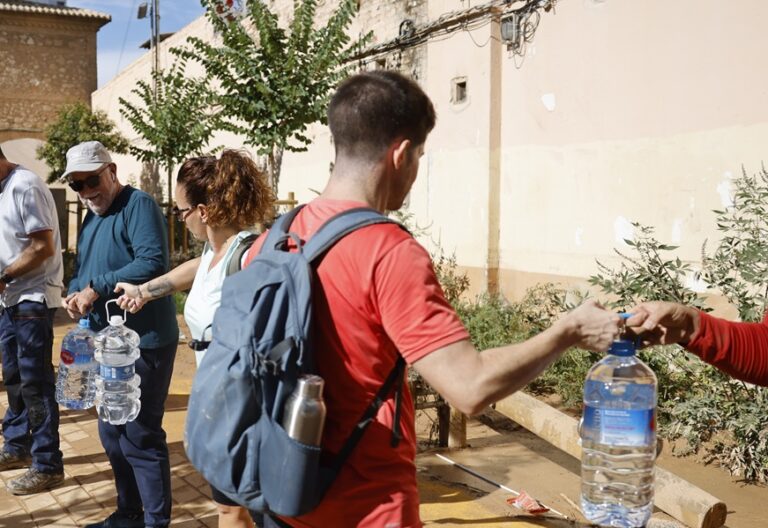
{"x":304,"y":412}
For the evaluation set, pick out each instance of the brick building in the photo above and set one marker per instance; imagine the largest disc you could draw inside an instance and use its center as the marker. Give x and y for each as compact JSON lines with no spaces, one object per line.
{"x":48,"y":58}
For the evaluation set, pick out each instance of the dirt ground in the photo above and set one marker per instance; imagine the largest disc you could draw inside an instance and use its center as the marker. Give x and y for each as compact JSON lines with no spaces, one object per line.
{"x":510,"y":455}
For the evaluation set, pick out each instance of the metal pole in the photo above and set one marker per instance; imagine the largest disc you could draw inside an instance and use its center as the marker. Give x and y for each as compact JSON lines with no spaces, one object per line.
{"x":155,"y":41}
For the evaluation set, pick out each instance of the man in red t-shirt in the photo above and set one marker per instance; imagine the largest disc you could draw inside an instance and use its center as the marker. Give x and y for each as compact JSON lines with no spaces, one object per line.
{"x":378,"y":298}
{"x":738,"y":349}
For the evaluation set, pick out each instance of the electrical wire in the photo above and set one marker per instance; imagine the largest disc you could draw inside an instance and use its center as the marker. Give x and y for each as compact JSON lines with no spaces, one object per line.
{"x":467,"y":20}
{"x":125,"y":37}
{"x":122,"y":47}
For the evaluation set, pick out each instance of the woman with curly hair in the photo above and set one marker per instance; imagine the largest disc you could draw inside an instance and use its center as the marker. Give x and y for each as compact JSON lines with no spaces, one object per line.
{"x":217,"y":199}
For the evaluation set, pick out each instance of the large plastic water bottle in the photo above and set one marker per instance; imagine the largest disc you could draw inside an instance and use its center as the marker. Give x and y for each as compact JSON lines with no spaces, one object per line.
{"x":618,"y":439}
{"x":117,"y":385}
{"x":75,"y":384}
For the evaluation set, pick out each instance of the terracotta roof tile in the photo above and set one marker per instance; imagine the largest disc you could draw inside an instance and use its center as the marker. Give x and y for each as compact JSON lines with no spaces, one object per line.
{"x":23,"y":6}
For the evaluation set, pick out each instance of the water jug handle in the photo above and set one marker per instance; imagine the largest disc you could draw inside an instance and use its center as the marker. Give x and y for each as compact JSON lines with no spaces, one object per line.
{"x":115,"y":320}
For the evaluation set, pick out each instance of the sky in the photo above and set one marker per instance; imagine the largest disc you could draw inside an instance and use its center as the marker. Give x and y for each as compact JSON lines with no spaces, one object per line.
{"x":119,"y":40}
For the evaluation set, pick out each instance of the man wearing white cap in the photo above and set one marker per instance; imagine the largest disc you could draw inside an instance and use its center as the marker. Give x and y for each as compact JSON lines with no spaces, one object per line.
{"x":123,"y":239}
{"x":30,"y":291}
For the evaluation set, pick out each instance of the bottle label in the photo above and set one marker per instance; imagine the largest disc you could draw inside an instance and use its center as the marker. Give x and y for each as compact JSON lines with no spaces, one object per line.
{"x":117,"y":373}
{"x":67,"y":357}
{"x":619,"y":427}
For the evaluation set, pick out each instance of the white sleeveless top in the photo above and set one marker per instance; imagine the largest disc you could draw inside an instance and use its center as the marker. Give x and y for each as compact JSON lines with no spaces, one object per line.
{"x":205,"y":296}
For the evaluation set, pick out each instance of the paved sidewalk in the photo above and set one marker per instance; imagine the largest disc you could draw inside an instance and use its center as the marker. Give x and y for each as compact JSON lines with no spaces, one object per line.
{"x":88,"y":493}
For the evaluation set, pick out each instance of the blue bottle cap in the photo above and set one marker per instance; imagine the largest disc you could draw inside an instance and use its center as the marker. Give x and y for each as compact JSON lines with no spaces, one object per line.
{"x":84,"y":323}
{"x":622,"y":347}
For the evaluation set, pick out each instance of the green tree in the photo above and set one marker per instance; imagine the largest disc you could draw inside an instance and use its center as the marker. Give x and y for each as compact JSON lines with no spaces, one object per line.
{"x":74,"y":124}
{"x":273,"y":82}
{"x":174,"y":122}
{"x":646,"y":275}
{"x":739,"y":265}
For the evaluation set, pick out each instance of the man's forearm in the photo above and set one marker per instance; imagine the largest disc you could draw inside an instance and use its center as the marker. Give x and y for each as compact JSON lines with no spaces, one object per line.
{"x":33,"y":256}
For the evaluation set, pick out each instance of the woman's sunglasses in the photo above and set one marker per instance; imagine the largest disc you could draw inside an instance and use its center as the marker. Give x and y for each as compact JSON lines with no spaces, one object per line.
{"x":91,"y":182}
{"x":179,"y":213}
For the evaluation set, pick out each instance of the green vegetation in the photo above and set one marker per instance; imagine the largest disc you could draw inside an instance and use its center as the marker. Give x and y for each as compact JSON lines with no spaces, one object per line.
{"x":74,"y":124}
{"x":272,"y":82}
{"x":703,"y":410}
{"x":174,"y":121}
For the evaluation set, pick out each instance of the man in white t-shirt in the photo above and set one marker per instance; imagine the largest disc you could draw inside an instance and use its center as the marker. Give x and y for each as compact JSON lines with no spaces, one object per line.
{"x":30,"y":291}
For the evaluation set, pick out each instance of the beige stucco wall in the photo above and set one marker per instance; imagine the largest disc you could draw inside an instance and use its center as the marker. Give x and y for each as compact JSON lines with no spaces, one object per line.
{"x":656,"y":106}
{"x":48,"y":60}
{"x":620,"y":111}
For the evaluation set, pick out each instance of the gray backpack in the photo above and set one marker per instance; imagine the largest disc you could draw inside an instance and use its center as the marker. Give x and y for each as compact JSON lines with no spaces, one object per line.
{"x":262,"y":343}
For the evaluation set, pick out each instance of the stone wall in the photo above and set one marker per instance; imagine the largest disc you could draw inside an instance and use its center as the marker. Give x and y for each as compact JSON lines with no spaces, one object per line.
{"x":47,"y":61}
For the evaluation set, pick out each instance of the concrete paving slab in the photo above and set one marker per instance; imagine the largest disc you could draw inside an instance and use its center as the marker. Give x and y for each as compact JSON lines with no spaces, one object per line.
{"x":87,"y":494}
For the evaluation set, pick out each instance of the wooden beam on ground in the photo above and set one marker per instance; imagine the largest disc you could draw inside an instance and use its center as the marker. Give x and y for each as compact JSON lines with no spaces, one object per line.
{"x":679,"y":498}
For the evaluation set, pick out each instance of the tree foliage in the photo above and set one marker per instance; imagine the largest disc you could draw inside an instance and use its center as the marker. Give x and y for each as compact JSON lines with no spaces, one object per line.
{"x":273,"y":82}
{"x":698,"y":405}
{"x":174,"y":123}
{"x":74,"y":124}
{"x":739,"y":265}
{"x":647,"y":275}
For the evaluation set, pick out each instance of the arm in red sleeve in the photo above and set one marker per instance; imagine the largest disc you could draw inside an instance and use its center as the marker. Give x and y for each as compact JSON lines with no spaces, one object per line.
{"x":738,"y":349}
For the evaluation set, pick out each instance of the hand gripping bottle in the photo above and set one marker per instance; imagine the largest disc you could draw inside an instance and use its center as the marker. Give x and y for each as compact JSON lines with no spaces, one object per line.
{"x":117,"y":385}
{"x":76,"y":383}
{"x":618,"y":439}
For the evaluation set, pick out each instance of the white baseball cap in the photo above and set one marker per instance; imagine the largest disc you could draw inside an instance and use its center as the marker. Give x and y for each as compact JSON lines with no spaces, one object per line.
{"x":86,"y":157}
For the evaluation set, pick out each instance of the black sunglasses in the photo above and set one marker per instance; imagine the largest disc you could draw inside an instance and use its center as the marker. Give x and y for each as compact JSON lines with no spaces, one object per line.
{"x":91,"y":182}
{"x":179,"y":213}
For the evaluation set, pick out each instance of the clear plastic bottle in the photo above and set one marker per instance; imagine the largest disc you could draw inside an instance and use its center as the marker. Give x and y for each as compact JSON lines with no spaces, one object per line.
{"x":117,"y":385}
{"x":75,"y":384}
{"x":618,"y":439}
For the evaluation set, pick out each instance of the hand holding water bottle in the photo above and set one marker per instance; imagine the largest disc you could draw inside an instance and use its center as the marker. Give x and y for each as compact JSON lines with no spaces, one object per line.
{"x":75,"y":384}
{"x":591,"y":326}
{"x":117,"y":385}
{"x":618,"y":438}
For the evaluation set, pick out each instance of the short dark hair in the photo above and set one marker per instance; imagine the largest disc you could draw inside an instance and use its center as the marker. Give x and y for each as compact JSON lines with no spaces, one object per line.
{"x":371,"y":110}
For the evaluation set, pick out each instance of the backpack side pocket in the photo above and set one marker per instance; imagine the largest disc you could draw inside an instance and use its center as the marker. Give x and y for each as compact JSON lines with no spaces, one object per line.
{"x":291,"y":468}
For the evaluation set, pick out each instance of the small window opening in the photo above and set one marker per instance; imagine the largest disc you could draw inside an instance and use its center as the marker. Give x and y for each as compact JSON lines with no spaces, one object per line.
{"x":459,"y":90}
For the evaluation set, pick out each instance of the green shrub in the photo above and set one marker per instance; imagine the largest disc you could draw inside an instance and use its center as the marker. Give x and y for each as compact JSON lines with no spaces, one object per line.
{"x":725,"y":418}
{"x":739,"y":265}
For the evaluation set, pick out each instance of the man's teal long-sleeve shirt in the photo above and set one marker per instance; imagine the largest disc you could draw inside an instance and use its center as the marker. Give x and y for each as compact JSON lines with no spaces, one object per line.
{"x":127,"y":244}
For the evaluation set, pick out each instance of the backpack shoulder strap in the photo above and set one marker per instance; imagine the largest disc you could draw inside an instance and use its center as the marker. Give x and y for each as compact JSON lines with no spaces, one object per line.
{"x":278,"y":233}
{"x":393,"y":381}
{"x":243,"y":245}
{"x":340,"y":225}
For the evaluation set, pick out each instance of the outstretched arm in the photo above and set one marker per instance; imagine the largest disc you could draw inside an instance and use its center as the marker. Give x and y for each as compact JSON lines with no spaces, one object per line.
{"x":470,"y":380}
{"x":178,"y":279}
{"x":738,"y":349}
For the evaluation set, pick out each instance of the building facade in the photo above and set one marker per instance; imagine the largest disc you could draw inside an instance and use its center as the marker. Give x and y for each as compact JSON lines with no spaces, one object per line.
{"x":48,"y":53}
{"x":547,"y":149}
